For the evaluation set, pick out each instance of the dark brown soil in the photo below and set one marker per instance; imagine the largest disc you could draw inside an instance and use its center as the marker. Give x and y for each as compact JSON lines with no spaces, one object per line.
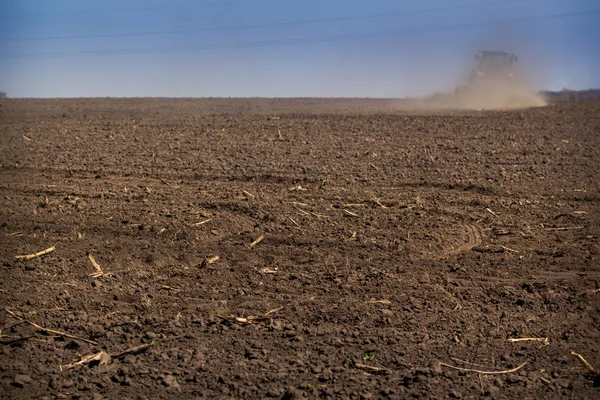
{"x":393,"y":240}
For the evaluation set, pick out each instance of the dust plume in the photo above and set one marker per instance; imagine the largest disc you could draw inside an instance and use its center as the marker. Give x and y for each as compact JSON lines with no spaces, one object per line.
{"x":499,"y":70}
{"x":494,"y":82}
{"x":502,"y":97}
{"x":495,"y":95}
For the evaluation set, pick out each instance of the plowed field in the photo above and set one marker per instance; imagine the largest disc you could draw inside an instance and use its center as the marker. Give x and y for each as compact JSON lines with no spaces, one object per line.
{"x":298,"y":249}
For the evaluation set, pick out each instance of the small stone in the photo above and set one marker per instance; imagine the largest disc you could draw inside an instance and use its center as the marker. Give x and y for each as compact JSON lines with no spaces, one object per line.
{"x":96,"y":283}
{"x":129,"y":359}
{"x":385,"y":311}
{"x":151,"y":335}
{"x":21,"y":380}
{"x":170,"y":381}
{"x":316,"y":369}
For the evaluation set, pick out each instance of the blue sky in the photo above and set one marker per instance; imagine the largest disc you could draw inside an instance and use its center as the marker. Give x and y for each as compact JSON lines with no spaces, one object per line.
{"x":286,"y":48}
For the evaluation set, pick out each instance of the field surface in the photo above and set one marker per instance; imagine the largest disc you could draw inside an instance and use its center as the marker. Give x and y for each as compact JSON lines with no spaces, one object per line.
{"x":288,"y":249}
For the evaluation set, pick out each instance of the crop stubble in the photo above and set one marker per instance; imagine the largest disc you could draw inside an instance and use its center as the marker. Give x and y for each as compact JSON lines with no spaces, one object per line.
{"x":281,"y":248}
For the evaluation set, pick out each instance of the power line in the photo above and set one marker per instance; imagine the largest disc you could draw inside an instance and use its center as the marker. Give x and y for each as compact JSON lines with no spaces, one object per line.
{"x":145,"y":8}
{"x":276,"y":24}
{"x":322,"y":39}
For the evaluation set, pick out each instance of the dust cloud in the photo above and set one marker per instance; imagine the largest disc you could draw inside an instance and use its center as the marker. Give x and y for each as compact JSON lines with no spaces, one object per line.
{"x":492,"y":96}
{"x":498,"y":70}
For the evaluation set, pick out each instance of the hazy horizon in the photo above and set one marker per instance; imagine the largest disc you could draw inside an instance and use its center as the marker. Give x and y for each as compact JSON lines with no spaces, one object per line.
{"x":261,"y":97}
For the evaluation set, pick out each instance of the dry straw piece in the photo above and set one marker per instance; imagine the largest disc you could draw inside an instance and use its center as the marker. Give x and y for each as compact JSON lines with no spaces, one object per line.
{"x":99,"y":272}
{"x":584,"y":362}
{"x":38,"y":254}
{"x":257,"y":241}
{"x":102,"y":358}
{"x":251,"y":318}
{"x":507,"y":371}
{"x":544,"y":340}
{"x":47,"y":330}
{"x":370,"y":369}
{"x":350,"y":213}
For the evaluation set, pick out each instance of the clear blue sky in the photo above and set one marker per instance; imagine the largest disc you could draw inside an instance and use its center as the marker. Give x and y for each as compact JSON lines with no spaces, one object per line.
{"x":286,"y":48}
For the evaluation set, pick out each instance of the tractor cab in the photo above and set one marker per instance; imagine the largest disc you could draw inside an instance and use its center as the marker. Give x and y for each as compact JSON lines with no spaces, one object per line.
{"x":494,"y":64}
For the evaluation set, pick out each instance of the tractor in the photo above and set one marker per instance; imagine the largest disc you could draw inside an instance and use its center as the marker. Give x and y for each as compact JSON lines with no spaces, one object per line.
{"x":494,"y":75}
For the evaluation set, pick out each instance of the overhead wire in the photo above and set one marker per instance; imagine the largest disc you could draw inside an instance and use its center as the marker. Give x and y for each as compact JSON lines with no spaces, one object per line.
{"x":144,"y":8}
{"x":269,"y":25}
{"x":321,"y":39}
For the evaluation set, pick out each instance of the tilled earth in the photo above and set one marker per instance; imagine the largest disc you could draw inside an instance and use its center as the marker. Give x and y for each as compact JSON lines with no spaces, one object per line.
{"x":298,"y":249}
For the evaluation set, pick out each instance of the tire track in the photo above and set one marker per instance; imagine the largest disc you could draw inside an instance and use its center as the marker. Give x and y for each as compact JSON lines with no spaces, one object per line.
{"x":474,"y":238}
